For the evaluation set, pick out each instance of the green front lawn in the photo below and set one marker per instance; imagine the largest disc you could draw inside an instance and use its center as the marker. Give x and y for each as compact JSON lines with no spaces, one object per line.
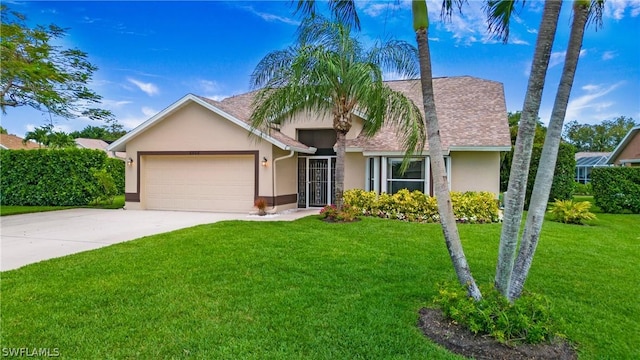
{"x":308,"y":289}
{"x":118,"y":202}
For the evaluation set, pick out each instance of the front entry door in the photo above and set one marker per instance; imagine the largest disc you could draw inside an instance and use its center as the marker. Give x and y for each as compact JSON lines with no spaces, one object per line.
{"x":316,"y":181}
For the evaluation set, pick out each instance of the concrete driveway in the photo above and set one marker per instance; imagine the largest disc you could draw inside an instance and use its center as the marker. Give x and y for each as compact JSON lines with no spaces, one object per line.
{"x":29,"y":238}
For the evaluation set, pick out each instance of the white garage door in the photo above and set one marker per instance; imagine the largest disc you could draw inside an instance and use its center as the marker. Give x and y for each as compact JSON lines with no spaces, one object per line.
{"x":198,"y":183}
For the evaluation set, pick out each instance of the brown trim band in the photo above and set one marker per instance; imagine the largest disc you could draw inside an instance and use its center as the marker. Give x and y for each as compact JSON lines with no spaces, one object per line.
{"x":135,"y":197}
{"x":281,"y":199}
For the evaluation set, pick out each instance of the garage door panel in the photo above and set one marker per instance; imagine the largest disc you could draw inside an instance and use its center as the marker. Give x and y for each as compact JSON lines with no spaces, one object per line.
{"x":201,"y":183}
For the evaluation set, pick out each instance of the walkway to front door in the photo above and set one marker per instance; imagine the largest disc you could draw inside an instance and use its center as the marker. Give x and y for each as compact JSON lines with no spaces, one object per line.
{"x":316,"y":181}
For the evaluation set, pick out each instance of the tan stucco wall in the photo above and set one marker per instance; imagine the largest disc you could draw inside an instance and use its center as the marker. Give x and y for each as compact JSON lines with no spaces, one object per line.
{"x":631,"y":151}
{"x":354,"y":171}
{"x":317,"y":121}
{"x":475,"y":171}
{"x":194,"y":128}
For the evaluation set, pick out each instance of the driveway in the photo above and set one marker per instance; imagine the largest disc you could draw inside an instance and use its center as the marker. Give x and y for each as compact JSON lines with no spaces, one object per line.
{"x":29,"y":238}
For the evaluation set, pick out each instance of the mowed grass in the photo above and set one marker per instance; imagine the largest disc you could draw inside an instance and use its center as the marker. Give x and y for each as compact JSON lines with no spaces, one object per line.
{"x":118,"y":202}
{"x":308,"y":289}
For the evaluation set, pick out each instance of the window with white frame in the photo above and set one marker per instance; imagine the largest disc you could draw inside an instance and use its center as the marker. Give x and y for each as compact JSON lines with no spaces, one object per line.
{"x":413,"y":178}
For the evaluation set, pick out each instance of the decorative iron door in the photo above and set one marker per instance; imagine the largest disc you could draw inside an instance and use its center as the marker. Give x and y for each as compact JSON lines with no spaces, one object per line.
{"x":316,"y":181}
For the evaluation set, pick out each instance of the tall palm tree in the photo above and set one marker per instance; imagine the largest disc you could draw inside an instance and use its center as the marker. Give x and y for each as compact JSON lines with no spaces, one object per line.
{"x":329,"y":71}
{"x":436,"y":155}
{"x":499,"y":13}
{"x":544,"y":177}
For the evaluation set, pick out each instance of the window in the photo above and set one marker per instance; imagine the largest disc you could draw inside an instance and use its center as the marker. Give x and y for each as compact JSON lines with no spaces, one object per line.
{"x":414,"y":178}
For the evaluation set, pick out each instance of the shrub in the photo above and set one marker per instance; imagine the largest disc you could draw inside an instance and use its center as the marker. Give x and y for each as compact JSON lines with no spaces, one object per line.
{"x":616,"y":189}
{"x":583,"y":189}
{"x":115,"y":167}
{"x":526,"y":320}
{"x":46,"y":177}
{"x":569,"y":212}
{"x":471,"y":207}
{"x":331,"y":213}
{"x":105,"y":188}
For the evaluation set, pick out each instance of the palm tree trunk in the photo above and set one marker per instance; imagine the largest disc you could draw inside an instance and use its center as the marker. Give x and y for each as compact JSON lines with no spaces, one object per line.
{"x":544,"y":176}
{"x":340,"y":154}
{"x":514,"y":201}
{"x":441,"y":187}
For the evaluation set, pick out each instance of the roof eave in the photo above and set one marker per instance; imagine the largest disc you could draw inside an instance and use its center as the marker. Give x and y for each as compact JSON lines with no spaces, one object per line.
{"x":622,"y":144}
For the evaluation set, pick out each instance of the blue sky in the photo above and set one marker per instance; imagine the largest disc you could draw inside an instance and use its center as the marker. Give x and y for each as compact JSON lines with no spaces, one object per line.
{"x":152,"y":53}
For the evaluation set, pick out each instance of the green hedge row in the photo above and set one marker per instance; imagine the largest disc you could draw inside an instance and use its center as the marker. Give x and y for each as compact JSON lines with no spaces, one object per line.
{"x":616,"y":189}
{"x":468,"y":207}
{"x":564,"y":175}
{"x":45,"y":177}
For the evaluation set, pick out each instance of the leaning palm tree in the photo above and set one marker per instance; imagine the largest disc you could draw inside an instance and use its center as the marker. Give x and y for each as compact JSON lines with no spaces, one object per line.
{"x":499,"y":13}
{"x":582,"y":10}
{"x":329,"y":71}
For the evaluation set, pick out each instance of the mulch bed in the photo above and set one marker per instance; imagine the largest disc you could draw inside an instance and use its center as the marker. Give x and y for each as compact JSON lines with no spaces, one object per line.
{"x":460,"y":340}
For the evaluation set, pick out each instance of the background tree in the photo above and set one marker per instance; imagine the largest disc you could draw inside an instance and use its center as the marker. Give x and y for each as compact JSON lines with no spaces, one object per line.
{"x":46,"y":136}
{"x":46,"y":77}
{"x":3,"y":130}
{"x":110,"y":132}
{"x":329,"y":71}
{"x":603,"y":137}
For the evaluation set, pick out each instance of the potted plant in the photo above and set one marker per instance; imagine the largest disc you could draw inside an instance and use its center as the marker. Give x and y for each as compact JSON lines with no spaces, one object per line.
{"x":261,"y":205}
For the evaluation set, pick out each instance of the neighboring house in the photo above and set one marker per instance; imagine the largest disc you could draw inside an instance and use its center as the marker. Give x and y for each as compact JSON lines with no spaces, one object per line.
{"x":201,"y":154}
{"x":12,"y":142}
{"x":627,"y":153}
{"x":586,"y":161}
{"x":97,"y":144}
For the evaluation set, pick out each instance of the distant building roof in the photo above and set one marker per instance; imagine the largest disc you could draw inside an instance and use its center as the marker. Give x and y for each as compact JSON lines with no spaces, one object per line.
{"x":13,"y":142}
{"x":97,"y":144}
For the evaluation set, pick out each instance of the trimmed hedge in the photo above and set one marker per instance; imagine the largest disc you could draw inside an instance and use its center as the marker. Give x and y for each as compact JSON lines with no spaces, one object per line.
{"x":563,"y":177}
{"x":115,"y":167}
{"x":468,"y":207}
{"x":46,"y":177}
{"x":616,"y":189}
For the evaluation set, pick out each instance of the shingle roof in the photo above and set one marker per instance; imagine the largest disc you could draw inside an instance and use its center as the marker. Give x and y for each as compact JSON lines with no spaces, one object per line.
{"x":13,"y":142}
{"x":471,"y":113}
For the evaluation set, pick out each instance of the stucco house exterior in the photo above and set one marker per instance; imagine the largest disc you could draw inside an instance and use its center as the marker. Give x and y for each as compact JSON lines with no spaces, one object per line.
{"x":627,"y":153}
{"x":203,"y":155}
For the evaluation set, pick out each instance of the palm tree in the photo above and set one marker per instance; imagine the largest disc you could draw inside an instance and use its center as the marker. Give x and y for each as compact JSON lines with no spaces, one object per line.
{"x":499,"y":13}
{"x":40,"y":135}
{"x":329,"y":71}
{"x":436,"y":155}
{"x":544,"y":177}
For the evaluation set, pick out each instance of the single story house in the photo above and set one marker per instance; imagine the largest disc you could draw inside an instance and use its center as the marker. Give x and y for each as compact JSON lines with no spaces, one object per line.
{"x":13,"y":142}
{"x":200,"y":154}
{"x":627,"y":153}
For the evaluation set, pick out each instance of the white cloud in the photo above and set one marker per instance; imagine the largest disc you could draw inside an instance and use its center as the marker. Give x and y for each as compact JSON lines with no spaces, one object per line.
{"x":617,"y":9}
{"x":148,"y":88}
{"x":375,"y":9}
{"x":592,"y":104}
{"x":114,"y":104}
{"x":147,"y":111}
{"x":608,"y":55}
{"x":271,"y":17}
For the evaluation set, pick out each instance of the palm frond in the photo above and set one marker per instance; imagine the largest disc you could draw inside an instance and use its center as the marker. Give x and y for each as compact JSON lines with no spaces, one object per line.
{"x":397,"y":56}
{"x":499,"y":14}
{"x":448,"y":6}
{"x":596,"y":11}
